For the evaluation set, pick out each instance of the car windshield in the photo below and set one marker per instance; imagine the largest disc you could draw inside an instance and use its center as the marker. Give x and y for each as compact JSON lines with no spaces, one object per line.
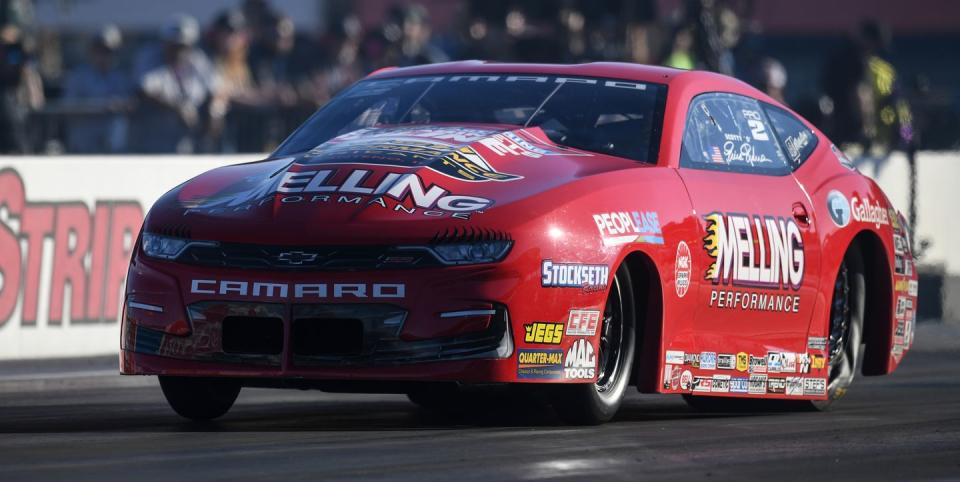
{"x":616,"y":117}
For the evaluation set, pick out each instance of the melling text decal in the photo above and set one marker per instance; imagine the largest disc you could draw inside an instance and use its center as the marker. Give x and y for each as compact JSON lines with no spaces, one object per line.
{"x":754,"y":252}
{"x":90,"y":254}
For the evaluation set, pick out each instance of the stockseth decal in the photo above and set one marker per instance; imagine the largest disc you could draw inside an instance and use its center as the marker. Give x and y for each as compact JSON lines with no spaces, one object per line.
{"x":726,"y":361}
{"x":869,"y":211}
{"x":299,"y":291}
{"x":754,"y":252}
{"x":839,"y":208}
{"x":621,"y":227}
{"x":683,"y":269}
{"x":581,"y":361}
{"x":543,"y":333}
{"x":539,"y":363}
{"x":708,"y":360}
{"x":573,"y":275}
{"x":583,"y":322}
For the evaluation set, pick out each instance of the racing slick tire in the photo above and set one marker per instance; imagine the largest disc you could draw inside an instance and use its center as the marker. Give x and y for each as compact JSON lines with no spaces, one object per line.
{"x":200,"y":399}
{"x":596,"y":403}
{"x":846,"y":327}
{"x":845,"y":347}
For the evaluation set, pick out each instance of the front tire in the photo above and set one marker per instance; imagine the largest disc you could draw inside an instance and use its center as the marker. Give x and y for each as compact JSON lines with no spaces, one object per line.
{"x":595,"y":403}
{"x":200,"y":399}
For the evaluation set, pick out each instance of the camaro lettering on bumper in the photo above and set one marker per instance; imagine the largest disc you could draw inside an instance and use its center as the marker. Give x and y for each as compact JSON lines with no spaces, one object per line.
{"x":297,"y":290}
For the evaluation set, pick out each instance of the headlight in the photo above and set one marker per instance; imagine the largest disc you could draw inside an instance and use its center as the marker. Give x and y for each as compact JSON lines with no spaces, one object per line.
{"x":471,"y":253}
{"x":165,"y":247}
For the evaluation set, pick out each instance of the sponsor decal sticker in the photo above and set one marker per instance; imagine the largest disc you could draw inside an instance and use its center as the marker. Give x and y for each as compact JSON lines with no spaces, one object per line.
{"x":817,"y":342}
{"x":683,"y":269}
{"x":544,"y":333}
{"x":708,"y":360}
{"x":774,"y":362}
{"x":743,"y":361}
{"x":763,"y":252}
{"x":794,"y":386}
{"x":815,"y":386}
{"x":581,"y":361}
{"x":726,"y":361}
{"x":702,"y":384}
{"x":583,"y":322}
{"x":803,"y":362}
{"x":622,"y":227}
{"x":671,"y":377}
{"x":721,"y":384}
{"x":692,"y":359}
{"x":757,"y":384}
{"x":839,"y":208}
{"x":539,"y":363}
{"x":869,"y":211}
{"x":776,"y":385}
{"x":818,"y":362}
{"x":686,"y":380}
{"x":758,"y":364}
{"x":739,"y":385}
{"x":674,"y":357}
{"x":573,"y":275}
{"x":789,"y":363}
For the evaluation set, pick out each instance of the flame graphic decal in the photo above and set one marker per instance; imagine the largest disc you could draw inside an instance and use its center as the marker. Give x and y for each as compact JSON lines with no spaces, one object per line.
{"x":711,"y":242}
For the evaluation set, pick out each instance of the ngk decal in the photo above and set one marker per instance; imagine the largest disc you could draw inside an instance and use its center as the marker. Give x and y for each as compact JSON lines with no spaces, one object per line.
{"x":581,"y":361}
{"x":69,"y":253}
{"x":682,"y":269}
{"x":754,"y":252}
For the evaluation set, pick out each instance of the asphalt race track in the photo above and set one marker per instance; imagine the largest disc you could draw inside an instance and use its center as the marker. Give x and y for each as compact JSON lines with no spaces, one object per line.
{"x":87,"y":424}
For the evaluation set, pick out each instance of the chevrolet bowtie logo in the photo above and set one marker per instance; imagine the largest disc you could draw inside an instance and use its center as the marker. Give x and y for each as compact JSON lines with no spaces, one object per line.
{"x":296,"y":257}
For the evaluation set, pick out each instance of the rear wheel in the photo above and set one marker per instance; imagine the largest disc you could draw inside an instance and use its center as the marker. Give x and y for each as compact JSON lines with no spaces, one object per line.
{"x":594,"y":403}
{"x":846,"y":327}
{"x":200,"y":398}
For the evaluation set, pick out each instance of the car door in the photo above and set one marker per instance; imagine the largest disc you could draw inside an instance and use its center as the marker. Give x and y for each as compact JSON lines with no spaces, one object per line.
{"x":759,"y":252}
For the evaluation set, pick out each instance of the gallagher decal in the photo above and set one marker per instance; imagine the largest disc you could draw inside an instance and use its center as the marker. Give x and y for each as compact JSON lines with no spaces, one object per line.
{"x":754,"y":252}
{"x":869,"y":211}
{"x":622,"y":227}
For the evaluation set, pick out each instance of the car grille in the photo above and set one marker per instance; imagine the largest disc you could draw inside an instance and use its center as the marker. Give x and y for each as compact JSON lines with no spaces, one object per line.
{"x":309,"y":258}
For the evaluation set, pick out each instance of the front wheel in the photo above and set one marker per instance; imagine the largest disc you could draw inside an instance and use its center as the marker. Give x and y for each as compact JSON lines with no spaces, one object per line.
{"x":200,"y":398}
{"x":595,"y":403}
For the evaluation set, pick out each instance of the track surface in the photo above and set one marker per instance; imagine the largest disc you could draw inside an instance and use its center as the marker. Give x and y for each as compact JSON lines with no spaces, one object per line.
{"x":94,"y":426}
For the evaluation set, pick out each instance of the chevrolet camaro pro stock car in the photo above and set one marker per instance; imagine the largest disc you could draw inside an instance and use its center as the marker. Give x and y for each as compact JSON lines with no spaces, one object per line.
{"x":568,"y":230}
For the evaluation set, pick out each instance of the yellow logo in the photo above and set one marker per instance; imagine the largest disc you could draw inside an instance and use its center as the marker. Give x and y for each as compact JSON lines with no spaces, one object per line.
{"x":743,"y":362}
{"x":817,"y":361}
{"x":546,"y":333}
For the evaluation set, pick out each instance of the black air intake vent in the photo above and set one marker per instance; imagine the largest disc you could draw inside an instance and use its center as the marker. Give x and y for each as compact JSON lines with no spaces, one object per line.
{"x":468,"y":234}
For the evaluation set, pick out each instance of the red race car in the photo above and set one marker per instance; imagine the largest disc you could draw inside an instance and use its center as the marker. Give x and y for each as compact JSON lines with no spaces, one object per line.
{"x":569,"y":230}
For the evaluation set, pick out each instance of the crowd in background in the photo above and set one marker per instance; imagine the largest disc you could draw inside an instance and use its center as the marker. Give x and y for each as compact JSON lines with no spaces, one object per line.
{"x":242,"y":82}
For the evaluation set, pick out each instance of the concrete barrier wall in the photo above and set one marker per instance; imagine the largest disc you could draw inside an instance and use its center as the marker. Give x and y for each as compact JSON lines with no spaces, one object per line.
{"x":67,"y":225}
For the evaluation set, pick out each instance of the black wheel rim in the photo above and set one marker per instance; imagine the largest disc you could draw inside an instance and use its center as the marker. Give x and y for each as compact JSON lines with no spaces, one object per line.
{"x":840,"y":318}
{"x":611,"y":337}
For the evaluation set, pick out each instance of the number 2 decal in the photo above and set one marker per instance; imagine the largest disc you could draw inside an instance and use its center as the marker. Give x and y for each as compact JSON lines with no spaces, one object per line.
{"x":758,"y":130}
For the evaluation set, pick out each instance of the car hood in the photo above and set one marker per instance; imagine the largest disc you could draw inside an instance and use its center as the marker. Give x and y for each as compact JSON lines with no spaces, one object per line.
{"x":408,"y":183}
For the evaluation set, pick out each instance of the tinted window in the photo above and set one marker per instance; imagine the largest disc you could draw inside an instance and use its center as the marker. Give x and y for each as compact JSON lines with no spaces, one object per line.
{"x":729,"y":132}
{"x":614,"y":117}
{"x":798,"y":141}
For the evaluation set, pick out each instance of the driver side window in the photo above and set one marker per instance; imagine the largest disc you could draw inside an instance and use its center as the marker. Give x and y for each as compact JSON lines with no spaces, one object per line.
{"x":729,"y":132}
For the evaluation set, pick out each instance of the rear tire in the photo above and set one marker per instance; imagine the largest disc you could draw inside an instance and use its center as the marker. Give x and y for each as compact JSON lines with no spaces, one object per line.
{"x":200,"y":399}
{"x":596,"y":403}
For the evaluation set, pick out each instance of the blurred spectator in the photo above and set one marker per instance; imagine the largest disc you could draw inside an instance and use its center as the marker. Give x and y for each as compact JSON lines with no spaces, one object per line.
{"x":412,"y":24}
{"x":236,"y":90}
{"x":153,"y":55}
{"x":174,"y":96}
{"x":773,"y":79}
{"x":681,"y":55}
{"x":99,"y":85}
{"x":21,"y":90}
